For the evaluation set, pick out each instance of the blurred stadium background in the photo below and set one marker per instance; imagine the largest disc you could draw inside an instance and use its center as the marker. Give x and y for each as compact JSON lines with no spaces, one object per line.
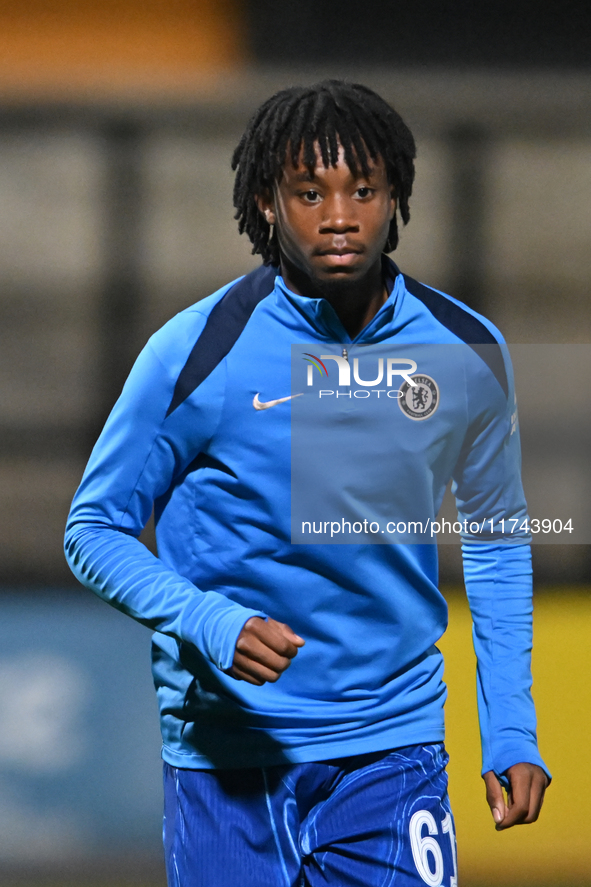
{"x":117,"y":121}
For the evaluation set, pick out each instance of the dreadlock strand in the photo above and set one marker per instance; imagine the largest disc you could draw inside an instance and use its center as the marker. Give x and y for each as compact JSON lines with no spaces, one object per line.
{"x":318,"y":129}
{"x":332,"y":133}
{"x":303,"y":120}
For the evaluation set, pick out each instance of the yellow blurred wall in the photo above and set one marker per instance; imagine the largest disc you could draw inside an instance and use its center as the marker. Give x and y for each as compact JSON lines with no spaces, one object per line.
{"x":557,"y":849}
{"x":57,"y":45}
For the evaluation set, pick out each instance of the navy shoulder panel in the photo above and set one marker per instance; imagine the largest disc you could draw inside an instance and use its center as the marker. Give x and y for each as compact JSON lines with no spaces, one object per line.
{"x":221,"y":331}
{"x":463,"y":325}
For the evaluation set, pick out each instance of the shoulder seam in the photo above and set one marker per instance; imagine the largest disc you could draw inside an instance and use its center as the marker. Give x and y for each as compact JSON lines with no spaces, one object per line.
{"x":225,"y":322}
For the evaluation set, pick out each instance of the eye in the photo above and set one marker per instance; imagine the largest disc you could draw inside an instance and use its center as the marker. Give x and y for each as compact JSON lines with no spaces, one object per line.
{"x":364,"y":191}
{"x":311,"y":196}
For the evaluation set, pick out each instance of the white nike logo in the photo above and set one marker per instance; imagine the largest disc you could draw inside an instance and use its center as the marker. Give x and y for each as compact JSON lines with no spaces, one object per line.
{"x":262,"y":405}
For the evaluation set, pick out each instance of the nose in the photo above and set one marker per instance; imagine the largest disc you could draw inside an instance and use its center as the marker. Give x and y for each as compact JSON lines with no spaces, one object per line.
{"x":339,"y":215}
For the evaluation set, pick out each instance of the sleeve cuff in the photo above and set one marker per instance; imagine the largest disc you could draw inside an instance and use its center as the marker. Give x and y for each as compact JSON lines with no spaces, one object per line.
{"x":214,"y":626}
{"x":514,"y":756}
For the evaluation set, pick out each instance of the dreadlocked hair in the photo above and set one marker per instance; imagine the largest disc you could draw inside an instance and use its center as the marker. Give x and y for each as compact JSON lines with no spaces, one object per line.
{"x":322,"y":117}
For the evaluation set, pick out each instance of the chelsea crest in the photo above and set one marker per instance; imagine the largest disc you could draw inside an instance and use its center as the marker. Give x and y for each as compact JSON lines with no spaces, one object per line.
{"x":421,"y":400}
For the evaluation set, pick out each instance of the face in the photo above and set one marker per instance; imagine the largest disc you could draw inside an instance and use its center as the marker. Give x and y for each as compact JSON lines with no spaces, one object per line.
{"x":332,"y":225}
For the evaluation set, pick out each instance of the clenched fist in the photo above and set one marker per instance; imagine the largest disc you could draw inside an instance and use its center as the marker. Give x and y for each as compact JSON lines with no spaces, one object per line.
{"x":264,"y":650}
{"x":524,"y":798}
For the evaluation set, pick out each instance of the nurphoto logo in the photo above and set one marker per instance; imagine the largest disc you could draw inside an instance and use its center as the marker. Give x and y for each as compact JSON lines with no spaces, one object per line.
{"x":345,"y":369}
{"x":418,"y":396}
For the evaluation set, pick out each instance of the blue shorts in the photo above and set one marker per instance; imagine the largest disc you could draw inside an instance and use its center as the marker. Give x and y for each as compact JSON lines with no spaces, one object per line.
{"x":375,"y":819}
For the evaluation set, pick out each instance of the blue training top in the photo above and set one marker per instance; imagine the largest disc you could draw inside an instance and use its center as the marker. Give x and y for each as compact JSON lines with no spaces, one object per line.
{"x":184,"y":437}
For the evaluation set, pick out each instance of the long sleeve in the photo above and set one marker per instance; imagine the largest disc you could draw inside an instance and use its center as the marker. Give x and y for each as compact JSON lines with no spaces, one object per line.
{"x":498,"y":581}
{"x":137,"y":458}
{"x":497,"y":573}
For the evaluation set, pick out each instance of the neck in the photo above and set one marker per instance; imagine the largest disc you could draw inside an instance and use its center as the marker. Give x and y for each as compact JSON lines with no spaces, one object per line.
{"x":356,"y":302}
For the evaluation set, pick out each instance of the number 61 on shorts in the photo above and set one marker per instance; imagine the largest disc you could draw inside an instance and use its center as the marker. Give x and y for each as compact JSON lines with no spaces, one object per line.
{"x":426,"y":851}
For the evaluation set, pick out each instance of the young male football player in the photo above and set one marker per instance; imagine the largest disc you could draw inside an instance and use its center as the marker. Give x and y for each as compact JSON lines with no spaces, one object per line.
{"x":331,"y":772}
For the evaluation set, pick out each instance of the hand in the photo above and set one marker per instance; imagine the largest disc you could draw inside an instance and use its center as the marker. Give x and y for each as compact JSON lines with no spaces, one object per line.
{"x":524,"y":798}
{"x":264,"y":650}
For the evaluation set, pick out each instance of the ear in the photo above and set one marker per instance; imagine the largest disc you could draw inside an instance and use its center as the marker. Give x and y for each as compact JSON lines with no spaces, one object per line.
{"x":265,"y":205}
{"x":393,"y":202}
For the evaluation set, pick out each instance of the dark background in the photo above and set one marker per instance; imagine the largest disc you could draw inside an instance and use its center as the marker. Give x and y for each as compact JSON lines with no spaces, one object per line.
{"x":461,"y":35}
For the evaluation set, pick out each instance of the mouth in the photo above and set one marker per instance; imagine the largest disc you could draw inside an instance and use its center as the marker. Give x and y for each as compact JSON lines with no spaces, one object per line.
{"x":339,"y":251}
{"x":340,"y":256}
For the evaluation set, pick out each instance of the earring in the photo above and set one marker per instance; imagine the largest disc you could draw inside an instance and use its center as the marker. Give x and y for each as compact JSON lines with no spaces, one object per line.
{"x":269,"y":223}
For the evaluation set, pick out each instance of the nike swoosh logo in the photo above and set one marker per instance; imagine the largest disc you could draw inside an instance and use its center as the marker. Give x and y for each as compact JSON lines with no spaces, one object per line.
{"x":265,"y":405}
